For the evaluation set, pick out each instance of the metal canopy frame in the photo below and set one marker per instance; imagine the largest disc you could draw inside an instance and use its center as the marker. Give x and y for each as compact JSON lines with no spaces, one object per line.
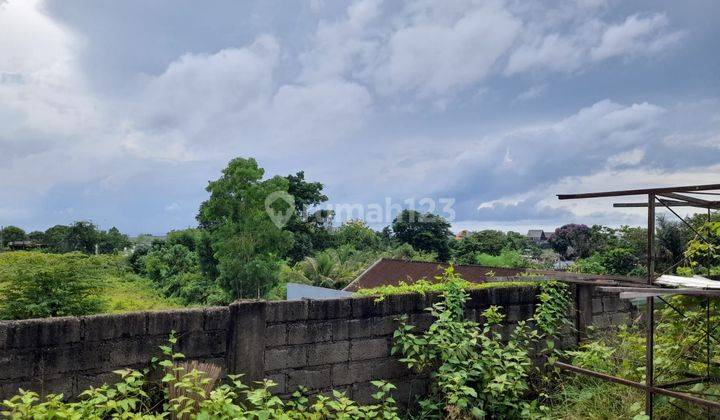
{"x":667,"y":197}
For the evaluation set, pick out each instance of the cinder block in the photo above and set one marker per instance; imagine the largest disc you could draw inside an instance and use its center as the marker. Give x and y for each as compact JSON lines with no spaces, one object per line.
{"x":422,"y":321}
{"x":312,"y":379}
{"x":6,"y":331}
{"x":611,"y":304}
{"x":401,"y":303}
{"x":283,"y":358}
{"x":358,"y":328}
{"x":105,"y":327}
{"x":217,"y":318}
{"x":17,"y":364}
{"x":317,"y":309}
{"x":389,"y":368}
{"x":275,"y":335}
{"x":280,"y":381}
{"x":597,"y":306}
{"x":182,"y":321}
{"x":55,"y":360}
{"x":284,"y":311}
{"x":519,"y":312}
{"x":363,"y":307}
{"x":203,"y":344}
{"x":328,"y":353}
{"x":340,"y":329}
{"x":45,"y":332}
{"x":353,"y":372}
{"x":385,"y":325}
{"x":301,"y":333}
{"x":339,"y":308}
{"x":527,"y":295}
{"x":372,"y":348}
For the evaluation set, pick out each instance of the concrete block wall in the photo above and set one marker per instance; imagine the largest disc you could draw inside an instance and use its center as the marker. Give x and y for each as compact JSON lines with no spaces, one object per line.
{"x":322,"y":345}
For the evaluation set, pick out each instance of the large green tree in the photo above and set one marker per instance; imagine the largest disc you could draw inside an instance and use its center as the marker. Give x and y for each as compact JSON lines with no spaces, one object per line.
{"x":424,"y":231}
{"x":247,"y":242}
{"x":309,"y":226}
{"x":12,"y":234}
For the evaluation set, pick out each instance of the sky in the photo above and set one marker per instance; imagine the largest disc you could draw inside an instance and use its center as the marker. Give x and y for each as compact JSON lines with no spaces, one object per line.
{"x":121,"y":112}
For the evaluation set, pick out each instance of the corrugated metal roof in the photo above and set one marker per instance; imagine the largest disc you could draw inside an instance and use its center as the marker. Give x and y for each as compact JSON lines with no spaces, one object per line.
{"x":389,"y":272}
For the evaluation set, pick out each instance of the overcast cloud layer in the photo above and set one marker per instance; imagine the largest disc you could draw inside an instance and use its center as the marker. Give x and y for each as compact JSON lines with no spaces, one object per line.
{"x":120,"y":112}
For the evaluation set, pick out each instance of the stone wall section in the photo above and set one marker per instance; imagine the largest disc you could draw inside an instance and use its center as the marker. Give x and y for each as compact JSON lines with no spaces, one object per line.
{"x":338,"y":344}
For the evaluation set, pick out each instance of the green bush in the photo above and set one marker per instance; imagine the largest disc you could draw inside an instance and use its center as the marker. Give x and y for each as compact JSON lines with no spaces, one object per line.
{"x":506,"y":259}
{"x":473,"y":373}
{"x":189,"y":391}
{"x":36,"y":285}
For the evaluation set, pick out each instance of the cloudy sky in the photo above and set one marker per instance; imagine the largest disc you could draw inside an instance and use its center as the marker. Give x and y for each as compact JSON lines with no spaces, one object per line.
{"x":120,"y":112}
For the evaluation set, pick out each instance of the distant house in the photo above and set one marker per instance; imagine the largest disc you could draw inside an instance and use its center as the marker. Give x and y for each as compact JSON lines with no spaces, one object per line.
{"x":390,"y":272}
{"x":538,"y":236}
{"x":23,"y":245}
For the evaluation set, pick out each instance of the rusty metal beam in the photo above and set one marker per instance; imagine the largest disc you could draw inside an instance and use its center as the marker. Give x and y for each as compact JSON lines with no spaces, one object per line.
{"x":670,"y":203}
{"x":686,"y":188}
{"x":653,"y":390}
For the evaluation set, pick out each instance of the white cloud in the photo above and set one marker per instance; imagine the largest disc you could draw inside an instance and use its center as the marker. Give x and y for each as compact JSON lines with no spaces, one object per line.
{"x":551,"y":47}
{"x":636,"y":35}
{"x":437,"y":53}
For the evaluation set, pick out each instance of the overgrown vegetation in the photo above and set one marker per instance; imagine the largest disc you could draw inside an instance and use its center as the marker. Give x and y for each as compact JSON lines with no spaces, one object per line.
{"x":191,"y":391}
{"x":473,"y":373}
{"x":35,"y":284}
{"x":680,"y":352}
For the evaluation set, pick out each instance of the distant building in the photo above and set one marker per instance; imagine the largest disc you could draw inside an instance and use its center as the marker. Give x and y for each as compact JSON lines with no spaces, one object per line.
{"x":23,"y":245}
{"x":297,"y":291}
{"x":538,"y":236}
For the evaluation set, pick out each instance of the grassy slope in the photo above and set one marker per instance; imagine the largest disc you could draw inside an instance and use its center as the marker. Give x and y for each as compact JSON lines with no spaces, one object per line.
{"x":123,"y":291}
{"x":129,"y":292}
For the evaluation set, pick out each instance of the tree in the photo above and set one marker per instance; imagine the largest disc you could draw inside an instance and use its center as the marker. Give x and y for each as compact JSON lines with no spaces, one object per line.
{"x":37,"y":237}
{"x":357,"y":234}
{"x":309,"y":230}
{"x":112,"y":241}
{"x":56,"y":238}
{"x":489,"y":242}
{"x":12,"y":234}
{"x":82,"y":236}
{"x":424,"y":232}
{"x":43,"y":285}
{"x":672,"y":238}
{"x":245,"y":241}
{"x":619,"y":261}
{"x":572,"y":241}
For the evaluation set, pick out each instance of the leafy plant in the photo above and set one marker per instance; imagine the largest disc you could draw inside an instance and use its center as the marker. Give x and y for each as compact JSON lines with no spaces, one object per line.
{"x":473,"y":373}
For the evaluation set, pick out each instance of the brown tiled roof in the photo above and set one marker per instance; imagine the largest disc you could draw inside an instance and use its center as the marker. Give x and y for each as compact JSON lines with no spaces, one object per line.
{"x":386,"y":272}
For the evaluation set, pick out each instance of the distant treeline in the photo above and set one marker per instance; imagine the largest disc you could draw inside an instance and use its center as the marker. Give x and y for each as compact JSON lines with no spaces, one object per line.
{"x":81,"y":236}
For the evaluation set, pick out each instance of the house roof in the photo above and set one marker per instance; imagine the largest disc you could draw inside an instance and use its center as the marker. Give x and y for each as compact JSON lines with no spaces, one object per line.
{"x":535,"y":233}
{"x":390,"y":272}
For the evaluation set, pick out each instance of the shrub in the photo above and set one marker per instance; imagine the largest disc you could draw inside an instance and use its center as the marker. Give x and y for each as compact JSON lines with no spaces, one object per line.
{"x":36,"y":285}
{"x":473,"y":374}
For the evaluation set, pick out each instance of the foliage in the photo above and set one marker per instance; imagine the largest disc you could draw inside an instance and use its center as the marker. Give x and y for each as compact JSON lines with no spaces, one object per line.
{"x":507,"y":259}
{"x":38,"y":285}
{"x":424,"y":286}
{"x":679,"y":352}
{"x":408,"y":253}
{"x":358,"y":235}
{"x":245,"y":241}
{"x":424,"y":231}
{"x":186,"y":392}
{"x":11,"y":234}
{"x":572,"y":241}
{"x":591,"y":265}
{"x":491,"y":243}
{"x":702,"y":254}
{"x":309,"y":230}
{"x":473,"y":374}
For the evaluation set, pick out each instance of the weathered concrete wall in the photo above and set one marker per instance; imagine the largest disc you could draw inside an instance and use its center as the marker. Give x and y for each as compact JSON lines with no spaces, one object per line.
{"x":339,"y":343}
